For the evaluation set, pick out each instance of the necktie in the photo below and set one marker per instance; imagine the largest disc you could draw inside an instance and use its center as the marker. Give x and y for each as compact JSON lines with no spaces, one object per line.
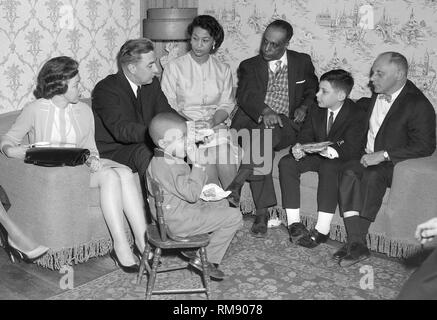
{"x":330,"y":122}
{"x":278,"y":67}
{"x":140,"y":107}
{"x":386,"y":97}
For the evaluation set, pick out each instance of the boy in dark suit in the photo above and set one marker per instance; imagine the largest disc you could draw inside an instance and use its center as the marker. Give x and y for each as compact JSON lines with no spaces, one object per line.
{"x":340,"y":121}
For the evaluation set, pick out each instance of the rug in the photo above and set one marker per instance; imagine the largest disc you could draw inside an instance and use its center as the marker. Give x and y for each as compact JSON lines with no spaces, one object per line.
{"x":263,"y":269}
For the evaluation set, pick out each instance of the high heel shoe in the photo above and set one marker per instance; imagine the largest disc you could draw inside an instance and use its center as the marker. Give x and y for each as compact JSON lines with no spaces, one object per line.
{"x":30,"y":256}
{"x":4,"y":241}
{"x":128,"y":269}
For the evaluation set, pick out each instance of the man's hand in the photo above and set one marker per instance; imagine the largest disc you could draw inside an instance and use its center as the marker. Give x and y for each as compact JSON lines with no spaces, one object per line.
{"x":426,"y":231}
{"x":372,"y":159}
{"x":300,"y":114}
{"x":271,"y":118}
{"x":297,"y":151}
{"x":18,"y":152}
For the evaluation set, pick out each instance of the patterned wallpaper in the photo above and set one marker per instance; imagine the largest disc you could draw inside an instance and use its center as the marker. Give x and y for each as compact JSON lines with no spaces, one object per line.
{"x":337,"y":34}
{"x":31,"y":32}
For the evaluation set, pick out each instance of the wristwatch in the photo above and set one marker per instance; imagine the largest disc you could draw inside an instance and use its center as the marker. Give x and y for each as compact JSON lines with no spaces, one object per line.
{"x":386,"y":157}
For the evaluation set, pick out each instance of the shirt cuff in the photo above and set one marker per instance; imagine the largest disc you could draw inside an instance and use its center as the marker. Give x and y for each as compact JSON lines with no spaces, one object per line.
{"x":330,"y":153}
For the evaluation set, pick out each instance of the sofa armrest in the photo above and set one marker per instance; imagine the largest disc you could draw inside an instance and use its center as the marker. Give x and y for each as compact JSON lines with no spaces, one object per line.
{"x":412,"y":197}
{"x":46,"y":202}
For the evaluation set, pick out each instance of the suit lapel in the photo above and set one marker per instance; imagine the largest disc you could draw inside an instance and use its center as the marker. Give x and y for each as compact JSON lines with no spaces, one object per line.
{"x":291,"y":80}
{"x":126,"y":87}
{"x":263,"y":72}
{"x":321,"y":124}
{"x":394,"y":107}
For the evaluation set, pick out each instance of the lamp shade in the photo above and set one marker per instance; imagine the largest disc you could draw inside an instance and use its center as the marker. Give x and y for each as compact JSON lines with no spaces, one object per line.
{"x":168,"y":24}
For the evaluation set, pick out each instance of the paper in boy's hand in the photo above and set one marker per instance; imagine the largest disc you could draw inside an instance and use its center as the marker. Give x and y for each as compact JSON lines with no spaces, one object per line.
{"x":315,"y":147}
{"x":212,"y":192}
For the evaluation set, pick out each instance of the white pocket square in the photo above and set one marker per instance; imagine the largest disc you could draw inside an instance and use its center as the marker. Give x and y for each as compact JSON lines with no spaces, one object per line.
{"x":300,"y":82}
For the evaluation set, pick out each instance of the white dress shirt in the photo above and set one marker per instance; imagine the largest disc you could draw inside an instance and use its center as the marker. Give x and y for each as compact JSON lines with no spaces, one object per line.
{"x":379,"y":113}
{"x":284,"y":62}
{"x":133,"y":86}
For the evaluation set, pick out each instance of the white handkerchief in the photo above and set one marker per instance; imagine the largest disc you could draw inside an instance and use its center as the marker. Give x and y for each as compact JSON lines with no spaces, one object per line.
{"x":212,"y":192}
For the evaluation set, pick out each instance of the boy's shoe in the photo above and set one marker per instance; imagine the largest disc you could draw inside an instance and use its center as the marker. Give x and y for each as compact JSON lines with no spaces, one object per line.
{"x":214,"y":272}
{"x":312,"y":239}
{"x":296,"y":231}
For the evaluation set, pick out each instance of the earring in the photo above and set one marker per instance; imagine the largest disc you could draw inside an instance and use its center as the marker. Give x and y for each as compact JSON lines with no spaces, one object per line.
{"x":213,"y":47}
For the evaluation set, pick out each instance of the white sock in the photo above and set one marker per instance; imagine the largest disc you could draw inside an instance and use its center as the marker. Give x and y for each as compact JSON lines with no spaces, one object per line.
{"x":293,"y":215}
{"x":324,"y":222}
{"x":349,"y":214}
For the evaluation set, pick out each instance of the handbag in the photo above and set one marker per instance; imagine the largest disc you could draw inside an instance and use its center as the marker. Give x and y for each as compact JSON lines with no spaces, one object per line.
{"x":56,"y":157}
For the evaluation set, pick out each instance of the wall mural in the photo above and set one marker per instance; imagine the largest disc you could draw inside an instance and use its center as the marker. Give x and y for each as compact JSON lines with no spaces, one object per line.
{"x":337,"y":34}
{"x":31,"y":32}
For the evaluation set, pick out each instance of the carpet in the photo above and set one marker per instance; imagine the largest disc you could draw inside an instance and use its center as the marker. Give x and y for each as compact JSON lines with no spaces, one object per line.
{"x":263,"y":269}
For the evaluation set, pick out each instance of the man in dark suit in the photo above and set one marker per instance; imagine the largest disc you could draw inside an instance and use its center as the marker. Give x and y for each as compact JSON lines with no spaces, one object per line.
{"x":124,"y":104}
{"x":400,"y":125}
{"x":275,"y":91}
{"x":337,"y":120}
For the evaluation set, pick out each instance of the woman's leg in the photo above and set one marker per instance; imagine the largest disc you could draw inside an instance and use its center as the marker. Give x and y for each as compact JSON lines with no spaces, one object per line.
{"x":111,"y":203}
{"x":24,"y":243}
{"x":133,"y":205}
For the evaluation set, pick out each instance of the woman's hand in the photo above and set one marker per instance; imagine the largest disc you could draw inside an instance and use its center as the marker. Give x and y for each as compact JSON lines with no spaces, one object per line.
{"x":18,"y":152}
{"x":94,"y":163}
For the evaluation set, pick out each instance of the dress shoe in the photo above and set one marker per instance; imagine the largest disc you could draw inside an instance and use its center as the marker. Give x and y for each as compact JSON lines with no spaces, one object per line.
{"x":29,"y":256}
{"x":234,"y":197}
{"x":296,"y":231}
{"x":312,"y":239}
{"x":259,"y":227}
{"x":214,"y":272}
{"x":128,"y":269}
{"x":189,"y":254}
{"x":341,"y":253}
{"x":357,"y":251}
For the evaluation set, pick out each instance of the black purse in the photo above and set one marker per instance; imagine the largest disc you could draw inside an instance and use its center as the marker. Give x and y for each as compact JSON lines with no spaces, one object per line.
{"x":57,"y":157}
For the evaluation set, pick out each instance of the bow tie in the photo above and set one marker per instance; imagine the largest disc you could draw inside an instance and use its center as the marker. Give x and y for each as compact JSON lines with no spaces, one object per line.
{"x":386,"y":97}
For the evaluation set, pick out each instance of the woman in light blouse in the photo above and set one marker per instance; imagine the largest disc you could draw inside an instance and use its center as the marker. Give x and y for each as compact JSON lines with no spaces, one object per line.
{"x":58,"y":118}
{"x":199,"y":87}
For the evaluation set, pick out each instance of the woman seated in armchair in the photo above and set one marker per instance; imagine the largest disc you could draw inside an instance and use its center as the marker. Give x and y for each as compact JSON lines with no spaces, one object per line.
{"x":58,"y":118}
{"x":199,"y":87}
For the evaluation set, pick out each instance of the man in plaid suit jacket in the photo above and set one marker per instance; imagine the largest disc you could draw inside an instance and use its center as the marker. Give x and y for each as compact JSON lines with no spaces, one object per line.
{"x":275,"y":91}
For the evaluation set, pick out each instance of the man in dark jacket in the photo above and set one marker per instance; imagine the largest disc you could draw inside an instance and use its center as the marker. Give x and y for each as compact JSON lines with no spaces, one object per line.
{"x":400,"y":125}
{"x":124,"y":104}
{"x":275,"y":91}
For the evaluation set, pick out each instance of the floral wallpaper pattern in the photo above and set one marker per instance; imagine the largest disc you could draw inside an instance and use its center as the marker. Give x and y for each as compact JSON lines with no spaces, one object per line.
{"x":31,"y":32}
{"x":337,"y":34}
